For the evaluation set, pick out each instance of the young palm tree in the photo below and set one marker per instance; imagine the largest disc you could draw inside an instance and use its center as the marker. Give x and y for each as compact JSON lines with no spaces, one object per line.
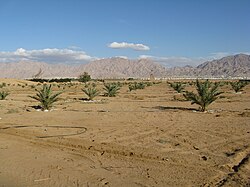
{"x":91,"y":92}
{"x":45,"y":97}
{"x":136,"y":85}
{"x":131,"y":87}
{"x":140,"y":85}
{"x":206,"y":94}
{"x":238,"y":86}
{"x":111,"y":89}
{"x":178,"y":86}
{"x":3,"y":95}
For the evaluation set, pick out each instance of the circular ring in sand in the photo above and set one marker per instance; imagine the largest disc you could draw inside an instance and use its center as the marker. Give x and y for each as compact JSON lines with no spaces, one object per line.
{"x":51,"y":131}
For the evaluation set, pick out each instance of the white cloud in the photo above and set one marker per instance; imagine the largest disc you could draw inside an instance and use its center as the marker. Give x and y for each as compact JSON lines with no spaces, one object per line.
{"x":75,"y":55}
{"x":122,"y":45}
{"x":124,"y":57}
{"x":46,"y":55}
{"x":20,"y":52}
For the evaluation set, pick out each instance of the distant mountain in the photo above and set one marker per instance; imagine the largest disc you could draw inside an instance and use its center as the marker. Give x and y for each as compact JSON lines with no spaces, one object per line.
{"x":186,"y":71}
{"x":231,"y":66}
{"x":104,"y":68}
{"x":22,"y":70}
{"x":120,"y":67}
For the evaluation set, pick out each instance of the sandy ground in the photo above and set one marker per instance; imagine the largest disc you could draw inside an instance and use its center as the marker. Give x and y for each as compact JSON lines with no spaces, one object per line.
{"x":139,"y":138}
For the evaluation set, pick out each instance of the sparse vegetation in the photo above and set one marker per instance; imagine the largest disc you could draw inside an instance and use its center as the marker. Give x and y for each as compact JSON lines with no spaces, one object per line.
{"x":136,"y":85}
{"x":140,"y":85}
{"x":119,"y":84}
{"x":149,"y":83}
{"x":206,"y":94}
{"x":221,"y":83}
{"x":51,"y":80}
{"x":3,"y":85}
{"x":46,"y":97}
{"x":111,"y":89}
{"x":3,"y":94}
{"x":238,"y":86}
{"x":177,"y":86}
{"x":91,"y":92}
{"x":131,"y":87}
{"x":61,"y":80}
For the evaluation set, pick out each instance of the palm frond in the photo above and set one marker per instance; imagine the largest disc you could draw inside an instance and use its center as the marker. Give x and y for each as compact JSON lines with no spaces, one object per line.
{"x":177,"y":86}
{"x":111,"y":89}
{"x":3,"y":95}
{"x":238,"y":86}
{"x":46,"y":97}
{"x":207,"y":93}
{"x":91,"y":92}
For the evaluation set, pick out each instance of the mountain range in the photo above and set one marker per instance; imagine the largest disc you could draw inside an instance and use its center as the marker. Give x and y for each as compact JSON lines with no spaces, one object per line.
{"x":230,"y":66}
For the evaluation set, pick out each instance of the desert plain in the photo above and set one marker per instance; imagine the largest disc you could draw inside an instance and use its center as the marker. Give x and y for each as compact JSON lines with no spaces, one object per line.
{"x":148,"y":137}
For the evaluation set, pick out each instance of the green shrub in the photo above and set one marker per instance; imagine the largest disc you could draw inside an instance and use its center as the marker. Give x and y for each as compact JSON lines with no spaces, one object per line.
{"x":221,"y":83}
{"x":131,"y":87}
{"x":3,"y":94}
{"x":149,"y":83}
{"x":3,"y":85}
{"x":111,"y":89}
{"x":85,"y":77}
{"x":135,"y":86}
{"x":119,"y":84}
{"x":140,"y":85}
{"x":178,"y":86}
{"x":238,"y":86}
{"x":91,"y":92}
{"x":45,"y":97}
{"x":206,"y":94}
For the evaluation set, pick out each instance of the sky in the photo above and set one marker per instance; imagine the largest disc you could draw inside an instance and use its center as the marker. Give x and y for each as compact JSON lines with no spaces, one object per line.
{"x":171,"y":32}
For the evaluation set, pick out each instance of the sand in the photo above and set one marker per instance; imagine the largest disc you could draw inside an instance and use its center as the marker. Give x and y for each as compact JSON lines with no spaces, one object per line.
{"x":149,"y":137}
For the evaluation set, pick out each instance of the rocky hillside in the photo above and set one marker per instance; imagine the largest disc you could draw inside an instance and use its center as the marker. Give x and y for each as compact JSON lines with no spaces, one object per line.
{"x":22,"y":70}
{"x":104,"y":68}
{"x":231,"y":66}
{"x":119,"y":67}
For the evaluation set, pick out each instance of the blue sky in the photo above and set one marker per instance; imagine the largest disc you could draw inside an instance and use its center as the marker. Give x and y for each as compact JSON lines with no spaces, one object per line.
{"x":176,"y":32}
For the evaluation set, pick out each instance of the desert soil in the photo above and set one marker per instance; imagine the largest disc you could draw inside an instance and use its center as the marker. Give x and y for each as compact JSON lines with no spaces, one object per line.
{"x":149,"y":137}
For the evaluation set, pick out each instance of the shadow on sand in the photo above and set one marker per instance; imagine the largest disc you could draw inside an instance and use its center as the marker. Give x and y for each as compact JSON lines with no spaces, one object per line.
{"x":175,"y":108}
